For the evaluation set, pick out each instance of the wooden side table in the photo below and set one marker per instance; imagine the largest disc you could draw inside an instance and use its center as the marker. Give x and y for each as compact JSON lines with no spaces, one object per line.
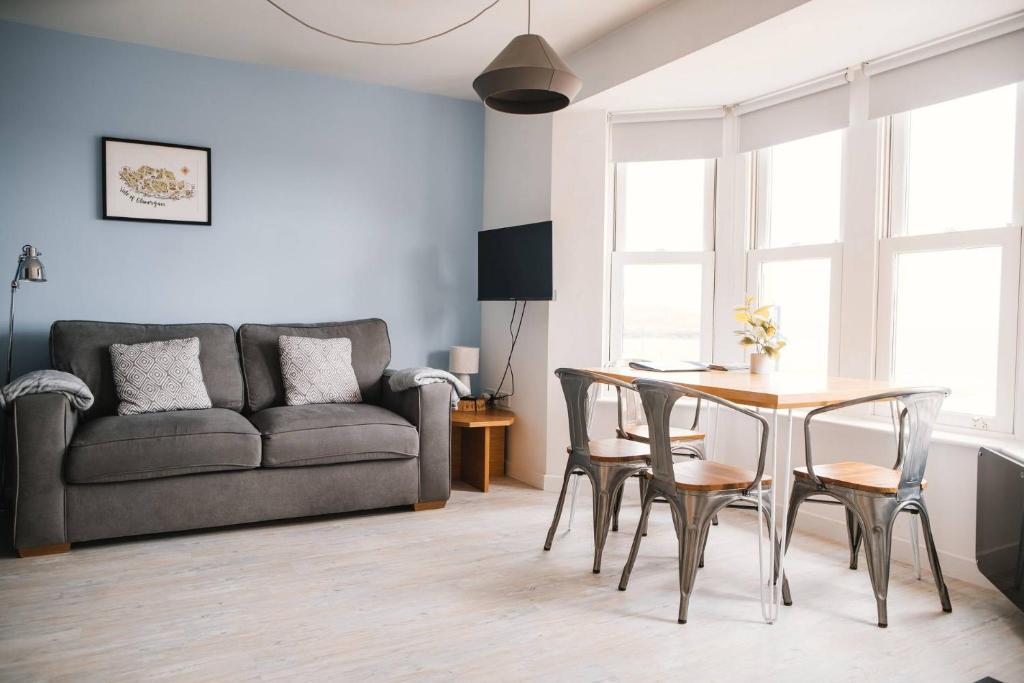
{"x":478,"y":445}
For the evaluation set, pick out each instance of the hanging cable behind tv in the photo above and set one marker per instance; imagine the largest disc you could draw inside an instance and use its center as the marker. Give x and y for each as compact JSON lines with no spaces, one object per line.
{"x":509,"y":373}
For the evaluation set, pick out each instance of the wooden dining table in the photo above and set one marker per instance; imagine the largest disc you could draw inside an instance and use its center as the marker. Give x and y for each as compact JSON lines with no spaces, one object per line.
{"x":776,"y":392}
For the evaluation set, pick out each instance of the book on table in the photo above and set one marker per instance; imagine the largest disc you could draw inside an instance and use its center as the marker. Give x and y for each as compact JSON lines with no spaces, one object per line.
{"x":686,"y":366}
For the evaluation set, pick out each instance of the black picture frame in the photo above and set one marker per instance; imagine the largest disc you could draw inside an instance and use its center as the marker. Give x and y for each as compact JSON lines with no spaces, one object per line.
{"x":107,"y":215}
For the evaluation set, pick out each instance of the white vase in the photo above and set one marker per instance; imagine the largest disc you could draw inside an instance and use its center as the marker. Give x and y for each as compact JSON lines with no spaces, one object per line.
{"x":760,"y":364}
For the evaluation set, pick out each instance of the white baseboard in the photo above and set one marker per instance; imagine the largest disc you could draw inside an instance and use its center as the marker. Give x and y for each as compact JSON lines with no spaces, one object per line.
{"x":538,"y":480}
{"x":953,"y":566}
{"x":528,"y":477}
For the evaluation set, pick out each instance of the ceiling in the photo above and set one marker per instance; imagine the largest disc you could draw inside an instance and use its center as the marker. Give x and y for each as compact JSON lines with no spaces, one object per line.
{"x":815,"y":39}
{"x":255,"y":31}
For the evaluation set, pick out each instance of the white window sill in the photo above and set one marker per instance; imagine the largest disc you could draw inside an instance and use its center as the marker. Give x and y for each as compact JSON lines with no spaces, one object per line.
{"x":942,"y":434}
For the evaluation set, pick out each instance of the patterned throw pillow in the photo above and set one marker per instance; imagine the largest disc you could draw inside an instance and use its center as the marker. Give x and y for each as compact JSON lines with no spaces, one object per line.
{"x":155,"y":377}
{"x":318,"y":370}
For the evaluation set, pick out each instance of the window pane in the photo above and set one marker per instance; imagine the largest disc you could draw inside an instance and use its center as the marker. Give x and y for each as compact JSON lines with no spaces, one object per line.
{"x":800,"y":290}
{"x":664,"y":206}
{"x":960,"y":163}
{"x":804,"y":188}
{"x":661,"y":311}
{"x":946,"y":327}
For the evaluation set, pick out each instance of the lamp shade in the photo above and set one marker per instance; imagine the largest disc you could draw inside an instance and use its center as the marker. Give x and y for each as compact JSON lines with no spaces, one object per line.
{"x":30,"y":268}
{"x":464,"y":360}
{"x":527,"y":77}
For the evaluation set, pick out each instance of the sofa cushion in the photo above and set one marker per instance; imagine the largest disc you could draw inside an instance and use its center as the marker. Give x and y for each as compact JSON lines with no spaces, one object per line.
{"x":318,"y":371}
{"x":261,"y":359}
{"x":83,"y":349}
{"x":154,"y":445}
{"x":333,"y":433}
{"x":157,"y":377}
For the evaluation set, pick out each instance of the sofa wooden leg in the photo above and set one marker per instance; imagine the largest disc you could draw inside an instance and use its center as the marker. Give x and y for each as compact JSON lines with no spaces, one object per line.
{"x":39,"y":550}
{"x":429,"y":505}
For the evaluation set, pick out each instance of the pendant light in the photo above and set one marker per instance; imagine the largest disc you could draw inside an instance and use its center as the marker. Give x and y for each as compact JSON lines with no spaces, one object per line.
{"x":527,"y":77}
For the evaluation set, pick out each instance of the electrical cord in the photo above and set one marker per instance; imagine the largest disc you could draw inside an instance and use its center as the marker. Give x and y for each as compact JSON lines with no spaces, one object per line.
{"x":357,"y":41}
{"x":508,"y":364}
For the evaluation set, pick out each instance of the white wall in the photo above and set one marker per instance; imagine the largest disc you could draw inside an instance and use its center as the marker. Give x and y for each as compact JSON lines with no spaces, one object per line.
{"x":582,"y":227}
{"x":517,"y":190}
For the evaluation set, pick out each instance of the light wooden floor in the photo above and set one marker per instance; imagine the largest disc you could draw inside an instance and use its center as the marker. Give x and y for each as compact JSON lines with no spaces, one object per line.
{"x":467,"y":592}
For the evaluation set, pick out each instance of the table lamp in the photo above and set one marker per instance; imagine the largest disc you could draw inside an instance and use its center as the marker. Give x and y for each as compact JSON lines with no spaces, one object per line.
{"x":464,"y":361}
{"x":30,"y":269}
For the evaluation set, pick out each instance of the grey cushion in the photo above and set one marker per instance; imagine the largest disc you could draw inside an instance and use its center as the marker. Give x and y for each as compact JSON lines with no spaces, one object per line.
{"x":83,"y":349}
{"x":371,"y":353}
{"x":156,"y":377}
{"x":155,"y":445}
{"x":318,"y":371}
{"x":333,"y":433}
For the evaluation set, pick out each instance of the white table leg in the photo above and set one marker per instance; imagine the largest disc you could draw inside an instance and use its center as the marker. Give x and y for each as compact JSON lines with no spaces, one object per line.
{"x":782,"y":484}
{"x":771,"y":591}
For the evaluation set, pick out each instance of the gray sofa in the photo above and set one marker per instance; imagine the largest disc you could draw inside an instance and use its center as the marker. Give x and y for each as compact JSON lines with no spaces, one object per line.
{"x":86,"y":475}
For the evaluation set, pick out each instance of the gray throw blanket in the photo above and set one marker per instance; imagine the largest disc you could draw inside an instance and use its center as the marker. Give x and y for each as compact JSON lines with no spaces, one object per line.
{"x":45,"y":382}
{"x":400,"y":380}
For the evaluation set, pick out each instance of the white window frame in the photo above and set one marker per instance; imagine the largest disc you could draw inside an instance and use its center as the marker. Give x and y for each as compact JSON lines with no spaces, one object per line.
{"x":759,"y":254}
{"x":1009,"y":418}
{"x":1009,"y":240}
{"x":762,"y":183}
{"x":899,"y":132}
{"x":834,"y":254}
{"x":621,"y":258}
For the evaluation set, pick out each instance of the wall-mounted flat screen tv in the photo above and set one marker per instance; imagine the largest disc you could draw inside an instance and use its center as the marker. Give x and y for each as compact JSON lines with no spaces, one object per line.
{"x":514,"y":264}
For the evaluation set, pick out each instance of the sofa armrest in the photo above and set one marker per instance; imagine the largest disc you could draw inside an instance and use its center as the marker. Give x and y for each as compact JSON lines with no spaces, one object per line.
{"x":429,"y":409}
{"x":42,"y":426}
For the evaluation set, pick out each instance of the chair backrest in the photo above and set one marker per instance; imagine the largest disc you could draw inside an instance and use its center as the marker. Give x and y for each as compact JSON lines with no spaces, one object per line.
{"x":630,"y":407}
{"x":580,"y":390}
{"x":659,"y":398}
{"x":920,"y":409}
{"x":917,"y":409}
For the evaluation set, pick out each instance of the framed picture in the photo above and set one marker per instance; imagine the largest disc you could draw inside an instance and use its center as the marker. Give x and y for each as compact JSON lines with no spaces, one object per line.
{"x":156,"y":182}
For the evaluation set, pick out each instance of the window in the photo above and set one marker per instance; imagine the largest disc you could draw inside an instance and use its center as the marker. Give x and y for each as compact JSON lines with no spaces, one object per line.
{"x":802,"y":185}
{"x":949,"y":265}
{"x":797,"y":259}
{"x":663,"y":261}
{"x":954,"y":170}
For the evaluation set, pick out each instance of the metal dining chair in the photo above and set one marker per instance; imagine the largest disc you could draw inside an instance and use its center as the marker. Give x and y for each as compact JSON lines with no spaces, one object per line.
{"x":874,"y":495}
{"x":607,"y":463}
{"x":696,"y":490}
{"x":631,"y":424}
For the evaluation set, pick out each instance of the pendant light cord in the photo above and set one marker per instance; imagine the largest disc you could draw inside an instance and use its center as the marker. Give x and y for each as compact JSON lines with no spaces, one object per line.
{"x":357,"y":41}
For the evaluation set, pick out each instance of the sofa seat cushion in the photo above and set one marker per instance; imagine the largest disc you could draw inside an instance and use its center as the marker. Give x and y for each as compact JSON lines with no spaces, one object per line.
{"x":333,"y":433}
{"x":154,"y":445}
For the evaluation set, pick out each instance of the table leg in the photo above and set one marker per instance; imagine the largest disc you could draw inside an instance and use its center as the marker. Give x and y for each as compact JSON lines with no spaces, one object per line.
{"x":771,"y":590}
{"x":782,"y":485}
{"x":476,"y":457}
{"x":766,"y":574}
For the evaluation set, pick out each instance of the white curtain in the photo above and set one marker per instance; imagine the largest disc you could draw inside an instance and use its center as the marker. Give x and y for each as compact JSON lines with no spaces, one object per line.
{"x":900,"y":84}
{"x":690,"y":138}
{"x":801,"y":117}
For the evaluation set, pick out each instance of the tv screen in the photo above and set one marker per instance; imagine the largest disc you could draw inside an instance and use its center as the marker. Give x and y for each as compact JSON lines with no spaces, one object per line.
{"x":514,"y":264}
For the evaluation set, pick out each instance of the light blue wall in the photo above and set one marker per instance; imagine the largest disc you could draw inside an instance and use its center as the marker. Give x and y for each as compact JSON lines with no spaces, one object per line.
{"x":332,"y":200}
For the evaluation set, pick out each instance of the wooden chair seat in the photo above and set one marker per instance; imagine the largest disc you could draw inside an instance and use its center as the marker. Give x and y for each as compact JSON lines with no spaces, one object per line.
{"x":616,"y":450}
{"x":857,"y":475}
{"x":705,"y":475}
{"x":641,"y":432}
